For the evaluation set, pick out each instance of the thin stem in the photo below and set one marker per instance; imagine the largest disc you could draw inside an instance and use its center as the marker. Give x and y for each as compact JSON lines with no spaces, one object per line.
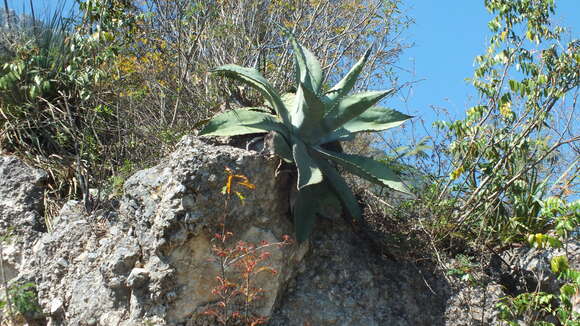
{"x":5,"y":283}
{"x":33,"y":18}
{"x":247,"y":299}
{"x":223,"y":262}
{"x":7,"y":18}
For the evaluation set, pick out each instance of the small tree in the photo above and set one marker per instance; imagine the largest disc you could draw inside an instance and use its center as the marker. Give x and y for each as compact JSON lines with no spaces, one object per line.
{"x":521,"y":141}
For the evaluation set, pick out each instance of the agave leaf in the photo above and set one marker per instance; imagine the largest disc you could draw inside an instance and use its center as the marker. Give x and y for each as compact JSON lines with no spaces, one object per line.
{"x":342,"y":137}
{"x":270,"y":125}
{"x":308,"y":171}
{"x":266,"y":108}
{"x":281,"y":148}
{"x":352,"y":106}
{"x":241,"y":122}
{"x":347,"y":82}
{"x":313,"y":110}
{"x":304,"y":210}
{"x":314,"y":70}
{"x":297,"y":114}
{"x":341,"y":189}
{"x":253,"y":78}
{"x":293,"y":106}
{"x":288,"y":99}
{"x":375,"y":118}
{"x":308,"y":70}
{"x":329,"y":202}
{"x":366,"y":168}
{"x":316,"y":108}
{"x":307,"y":111}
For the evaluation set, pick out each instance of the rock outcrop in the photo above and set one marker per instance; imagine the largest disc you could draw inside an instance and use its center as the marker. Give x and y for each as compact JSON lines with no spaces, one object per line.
{"x":21,"y":199}
{"x":150,"y":261}
{"x":344,"y":281}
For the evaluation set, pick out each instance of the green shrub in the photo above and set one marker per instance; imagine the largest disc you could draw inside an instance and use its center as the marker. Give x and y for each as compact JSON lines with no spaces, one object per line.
{"x":507,"y":155}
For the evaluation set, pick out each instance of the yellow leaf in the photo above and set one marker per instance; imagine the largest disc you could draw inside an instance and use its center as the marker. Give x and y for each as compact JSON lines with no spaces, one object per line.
{"x":506,"y":109}
{"x":456,"y":173}
{"x":503,"y":35}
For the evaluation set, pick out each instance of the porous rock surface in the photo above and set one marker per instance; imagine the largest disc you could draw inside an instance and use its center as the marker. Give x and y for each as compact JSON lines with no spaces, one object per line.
{"x":21,"y":198}
{"x":534,"y":264}
{"x":508,"y":273}
{"x":148,"y":262}
{"x":346,"y":282}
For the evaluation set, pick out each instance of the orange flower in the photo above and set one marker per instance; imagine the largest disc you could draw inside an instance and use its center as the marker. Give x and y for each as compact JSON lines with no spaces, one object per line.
{"x":240,"y":180}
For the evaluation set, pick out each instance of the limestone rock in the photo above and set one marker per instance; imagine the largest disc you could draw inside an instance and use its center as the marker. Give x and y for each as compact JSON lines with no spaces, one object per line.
{"x":534,"y":264}
{"x":345,"y":282}
{"x":512,"y":272}
{"x":21,"y":198}
{"x":473,"y":305}
{"x":150,"y":262}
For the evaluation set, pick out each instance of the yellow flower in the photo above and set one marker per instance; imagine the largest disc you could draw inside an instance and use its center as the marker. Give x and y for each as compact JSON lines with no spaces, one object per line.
{"x":240,"y":179}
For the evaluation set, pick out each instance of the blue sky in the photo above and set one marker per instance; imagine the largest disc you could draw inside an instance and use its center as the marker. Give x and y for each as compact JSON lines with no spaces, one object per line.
{"x":447,"y":35}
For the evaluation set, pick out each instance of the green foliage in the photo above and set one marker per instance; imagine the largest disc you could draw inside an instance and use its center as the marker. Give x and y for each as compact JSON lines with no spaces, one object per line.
{"x":514,"y":308}
{"x":564,"y":220}
{"x":464,"y":269}
{"x":23,"y":298}
{"x":512,"y":171}
{"x":560,"y":219}
{"x":58,"y":108}
{"x":123,"y":80}
{"x":46,"y":64}
{"x":559,"y":264}
{"x":51,"y":79}
{"x":305,"y":124}
{"x":504,"y":152}
{"x":6,"y":235}
{"x":534,"y":307}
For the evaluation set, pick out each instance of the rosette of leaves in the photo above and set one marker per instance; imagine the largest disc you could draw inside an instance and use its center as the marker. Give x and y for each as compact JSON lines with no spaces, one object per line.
{"x":304,"y":124}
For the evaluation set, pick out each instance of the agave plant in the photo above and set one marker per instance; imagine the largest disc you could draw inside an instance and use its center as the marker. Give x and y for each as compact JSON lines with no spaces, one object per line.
{"x":305,"y":123}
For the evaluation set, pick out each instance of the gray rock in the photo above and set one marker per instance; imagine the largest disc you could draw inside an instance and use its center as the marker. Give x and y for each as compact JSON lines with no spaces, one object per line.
{"x":21,"y":221}
{"x":138,"y":278}
{"x":56,"y":306}
{"x":345,"y":282}
{"x":21,"y":198}
{"x":514,"y":271}
{"x":473,"y":304}
{"x":535,"y":264}
{"x":151,"y":262}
